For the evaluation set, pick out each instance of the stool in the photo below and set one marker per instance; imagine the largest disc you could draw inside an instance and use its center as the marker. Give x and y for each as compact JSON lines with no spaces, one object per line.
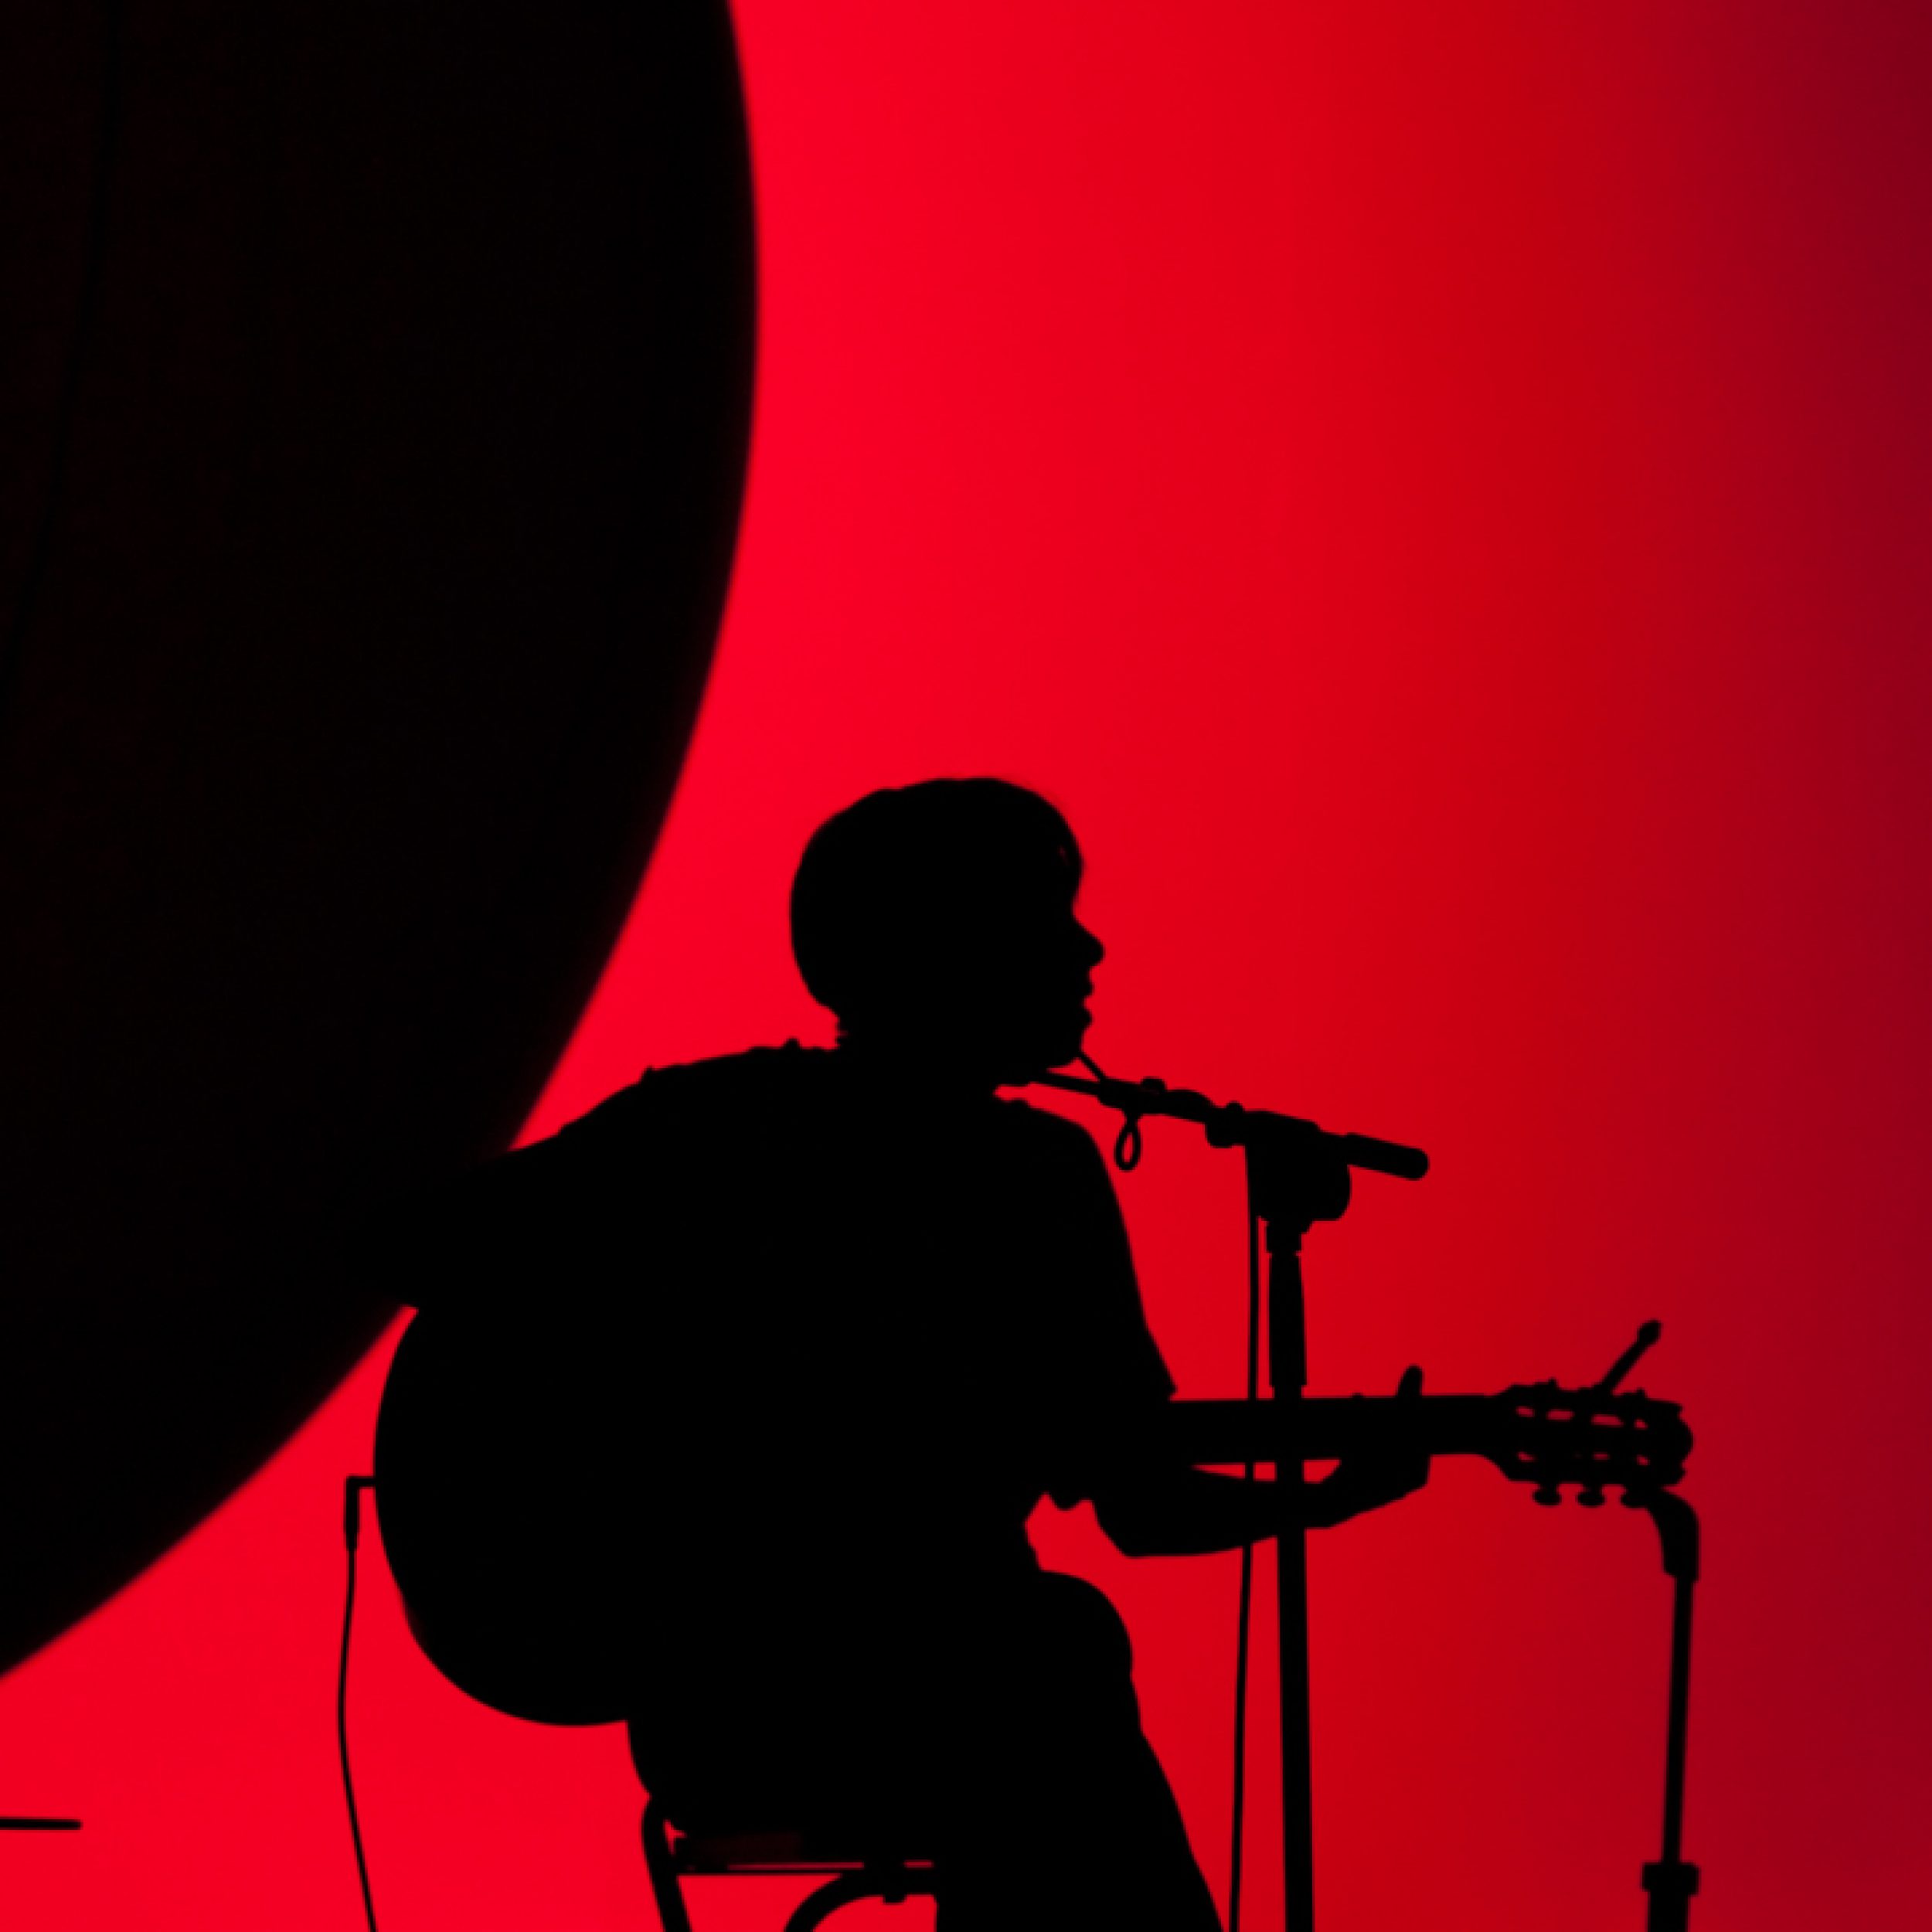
{"x":774,"y":1855}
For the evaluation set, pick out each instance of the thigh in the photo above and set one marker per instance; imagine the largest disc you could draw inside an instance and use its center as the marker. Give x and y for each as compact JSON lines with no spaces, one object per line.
{"x":1000,"y":1732}
{"x":1056,"y":1812}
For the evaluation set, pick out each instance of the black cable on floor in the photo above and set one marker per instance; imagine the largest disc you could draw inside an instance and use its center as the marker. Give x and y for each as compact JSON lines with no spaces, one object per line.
{"x":352,"y":1535}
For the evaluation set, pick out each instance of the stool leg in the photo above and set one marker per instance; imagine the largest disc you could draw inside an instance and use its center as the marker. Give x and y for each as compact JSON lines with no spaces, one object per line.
{"x":658,"y":1861}
{"x":848,"y":1887}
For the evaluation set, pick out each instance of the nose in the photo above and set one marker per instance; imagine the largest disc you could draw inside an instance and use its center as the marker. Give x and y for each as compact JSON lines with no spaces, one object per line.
{"x":1095,"y":952}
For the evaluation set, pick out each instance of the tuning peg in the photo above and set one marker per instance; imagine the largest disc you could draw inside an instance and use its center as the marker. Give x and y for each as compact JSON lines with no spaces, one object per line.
{"x":1591,"y":1495}
{"x":1646,"y":1340}
{"x":1548,"y":1494}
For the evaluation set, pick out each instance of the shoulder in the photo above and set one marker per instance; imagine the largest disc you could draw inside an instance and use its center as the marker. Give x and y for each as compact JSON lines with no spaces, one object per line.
{"x":759,"y":1070}
{"x":689,"y":1093}
{"x":1060,"y":1152}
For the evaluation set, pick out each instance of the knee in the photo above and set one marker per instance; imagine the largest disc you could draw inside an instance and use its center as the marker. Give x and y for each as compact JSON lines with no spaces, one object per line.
{"x":1080,"y":1628}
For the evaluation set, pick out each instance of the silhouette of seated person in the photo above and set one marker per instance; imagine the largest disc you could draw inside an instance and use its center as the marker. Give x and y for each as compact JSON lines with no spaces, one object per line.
{"x":860,"y":1315}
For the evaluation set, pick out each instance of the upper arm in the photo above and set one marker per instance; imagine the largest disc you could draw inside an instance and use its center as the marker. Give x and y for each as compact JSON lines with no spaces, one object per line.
{"x":1112,"y":1376}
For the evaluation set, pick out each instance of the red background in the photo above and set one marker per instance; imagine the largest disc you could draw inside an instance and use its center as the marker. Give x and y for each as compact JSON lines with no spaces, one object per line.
{"x":1439,"y":496}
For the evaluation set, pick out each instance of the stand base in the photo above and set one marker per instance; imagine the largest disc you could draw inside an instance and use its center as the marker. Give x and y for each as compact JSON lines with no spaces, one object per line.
{"x":1671,"y":1887}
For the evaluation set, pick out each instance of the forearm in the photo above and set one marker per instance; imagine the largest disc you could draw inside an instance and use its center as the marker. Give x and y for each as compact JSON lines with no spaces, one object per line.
{"x":1194,"y":1512}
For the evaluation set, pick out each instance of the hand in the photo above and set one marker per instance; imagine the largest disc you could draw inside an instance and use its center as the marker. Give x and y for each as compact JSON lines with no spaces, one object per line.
{"x":1366,"y":1482}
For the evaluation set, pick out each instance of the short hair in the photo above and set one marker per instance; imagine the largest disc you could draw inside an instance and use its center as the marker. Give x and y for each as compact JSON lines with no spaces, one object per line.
{"x":896,"y":875}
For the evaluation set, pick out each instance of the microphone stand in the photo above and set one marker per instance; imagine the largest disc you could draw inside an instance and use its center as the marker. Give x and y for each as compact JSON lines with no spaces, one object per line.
{"x":1298,"y":1175}
{"x":1671,"y":1881}
{"x":1290,"y":1194}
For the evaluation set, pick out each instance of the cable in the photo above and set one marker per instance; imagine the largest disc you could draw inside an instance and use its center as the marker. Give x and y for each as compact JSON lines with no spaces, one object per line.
{"x":1247,"y":1587}
{"x":353,"y":1490}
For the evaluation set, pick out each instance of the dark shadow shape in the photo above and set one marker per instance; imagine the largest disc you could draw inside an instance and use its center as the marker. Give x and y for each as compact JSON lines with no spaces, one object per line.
{"x":728,"y":1406}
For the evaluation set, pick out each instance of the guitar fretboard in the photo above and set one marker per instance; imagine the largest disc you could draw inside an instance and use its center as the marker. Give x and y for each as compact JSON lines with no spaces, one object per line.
{"x":1234,"y":1431}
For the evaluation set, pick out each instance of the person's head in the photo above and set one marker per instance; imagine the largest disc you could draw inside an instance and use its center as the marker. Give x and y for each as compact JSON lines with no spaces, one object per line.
{"x":939,"y":918}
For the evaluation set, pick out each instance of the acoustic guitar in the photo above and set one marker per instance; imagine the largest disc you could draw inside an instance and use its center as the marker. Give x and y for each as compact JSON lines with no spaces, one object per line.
{"x":527,"y":1483}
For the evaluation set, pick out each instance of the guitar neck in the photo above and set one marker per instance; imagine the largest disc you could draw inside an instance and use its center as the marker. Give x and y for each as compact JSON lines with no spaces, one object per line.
{"x":1234,"y":1431}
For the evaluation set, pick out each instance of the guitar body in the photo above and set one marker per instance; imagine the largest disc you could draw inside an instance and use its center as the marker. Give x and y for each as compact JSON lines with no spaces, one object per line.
{"x":508,"y":1484}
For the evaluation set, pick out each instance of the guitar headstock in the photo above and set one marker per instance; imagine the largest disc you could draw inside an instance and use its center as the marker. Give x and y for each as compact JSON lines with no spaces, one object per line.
{"x":1597,"y":1438}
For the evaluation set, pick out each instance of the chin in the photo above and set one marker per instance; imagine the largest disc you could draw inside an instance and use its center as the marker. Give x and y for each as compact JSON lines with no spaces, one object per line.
{"x":1057,"y":1045}
{"x":1017,"y":1069}
{"x":1065,"y":1048}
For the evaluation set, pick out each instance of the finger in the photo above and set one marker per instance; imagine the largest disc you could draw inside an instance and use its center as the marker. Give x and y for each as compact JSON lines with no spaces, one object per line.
{"x":1411,"y":1382}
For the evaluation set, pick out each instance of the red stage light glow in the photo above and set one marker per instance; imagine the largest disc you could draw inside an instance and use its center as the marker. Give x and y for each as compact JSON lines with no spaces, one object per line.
{"x":1437,"y":496}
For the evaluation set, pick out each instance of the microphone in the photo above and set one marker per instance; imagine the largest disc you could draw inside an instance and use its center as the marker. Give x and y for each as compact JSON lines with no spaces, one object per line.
{"x":1234,"y":1125}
